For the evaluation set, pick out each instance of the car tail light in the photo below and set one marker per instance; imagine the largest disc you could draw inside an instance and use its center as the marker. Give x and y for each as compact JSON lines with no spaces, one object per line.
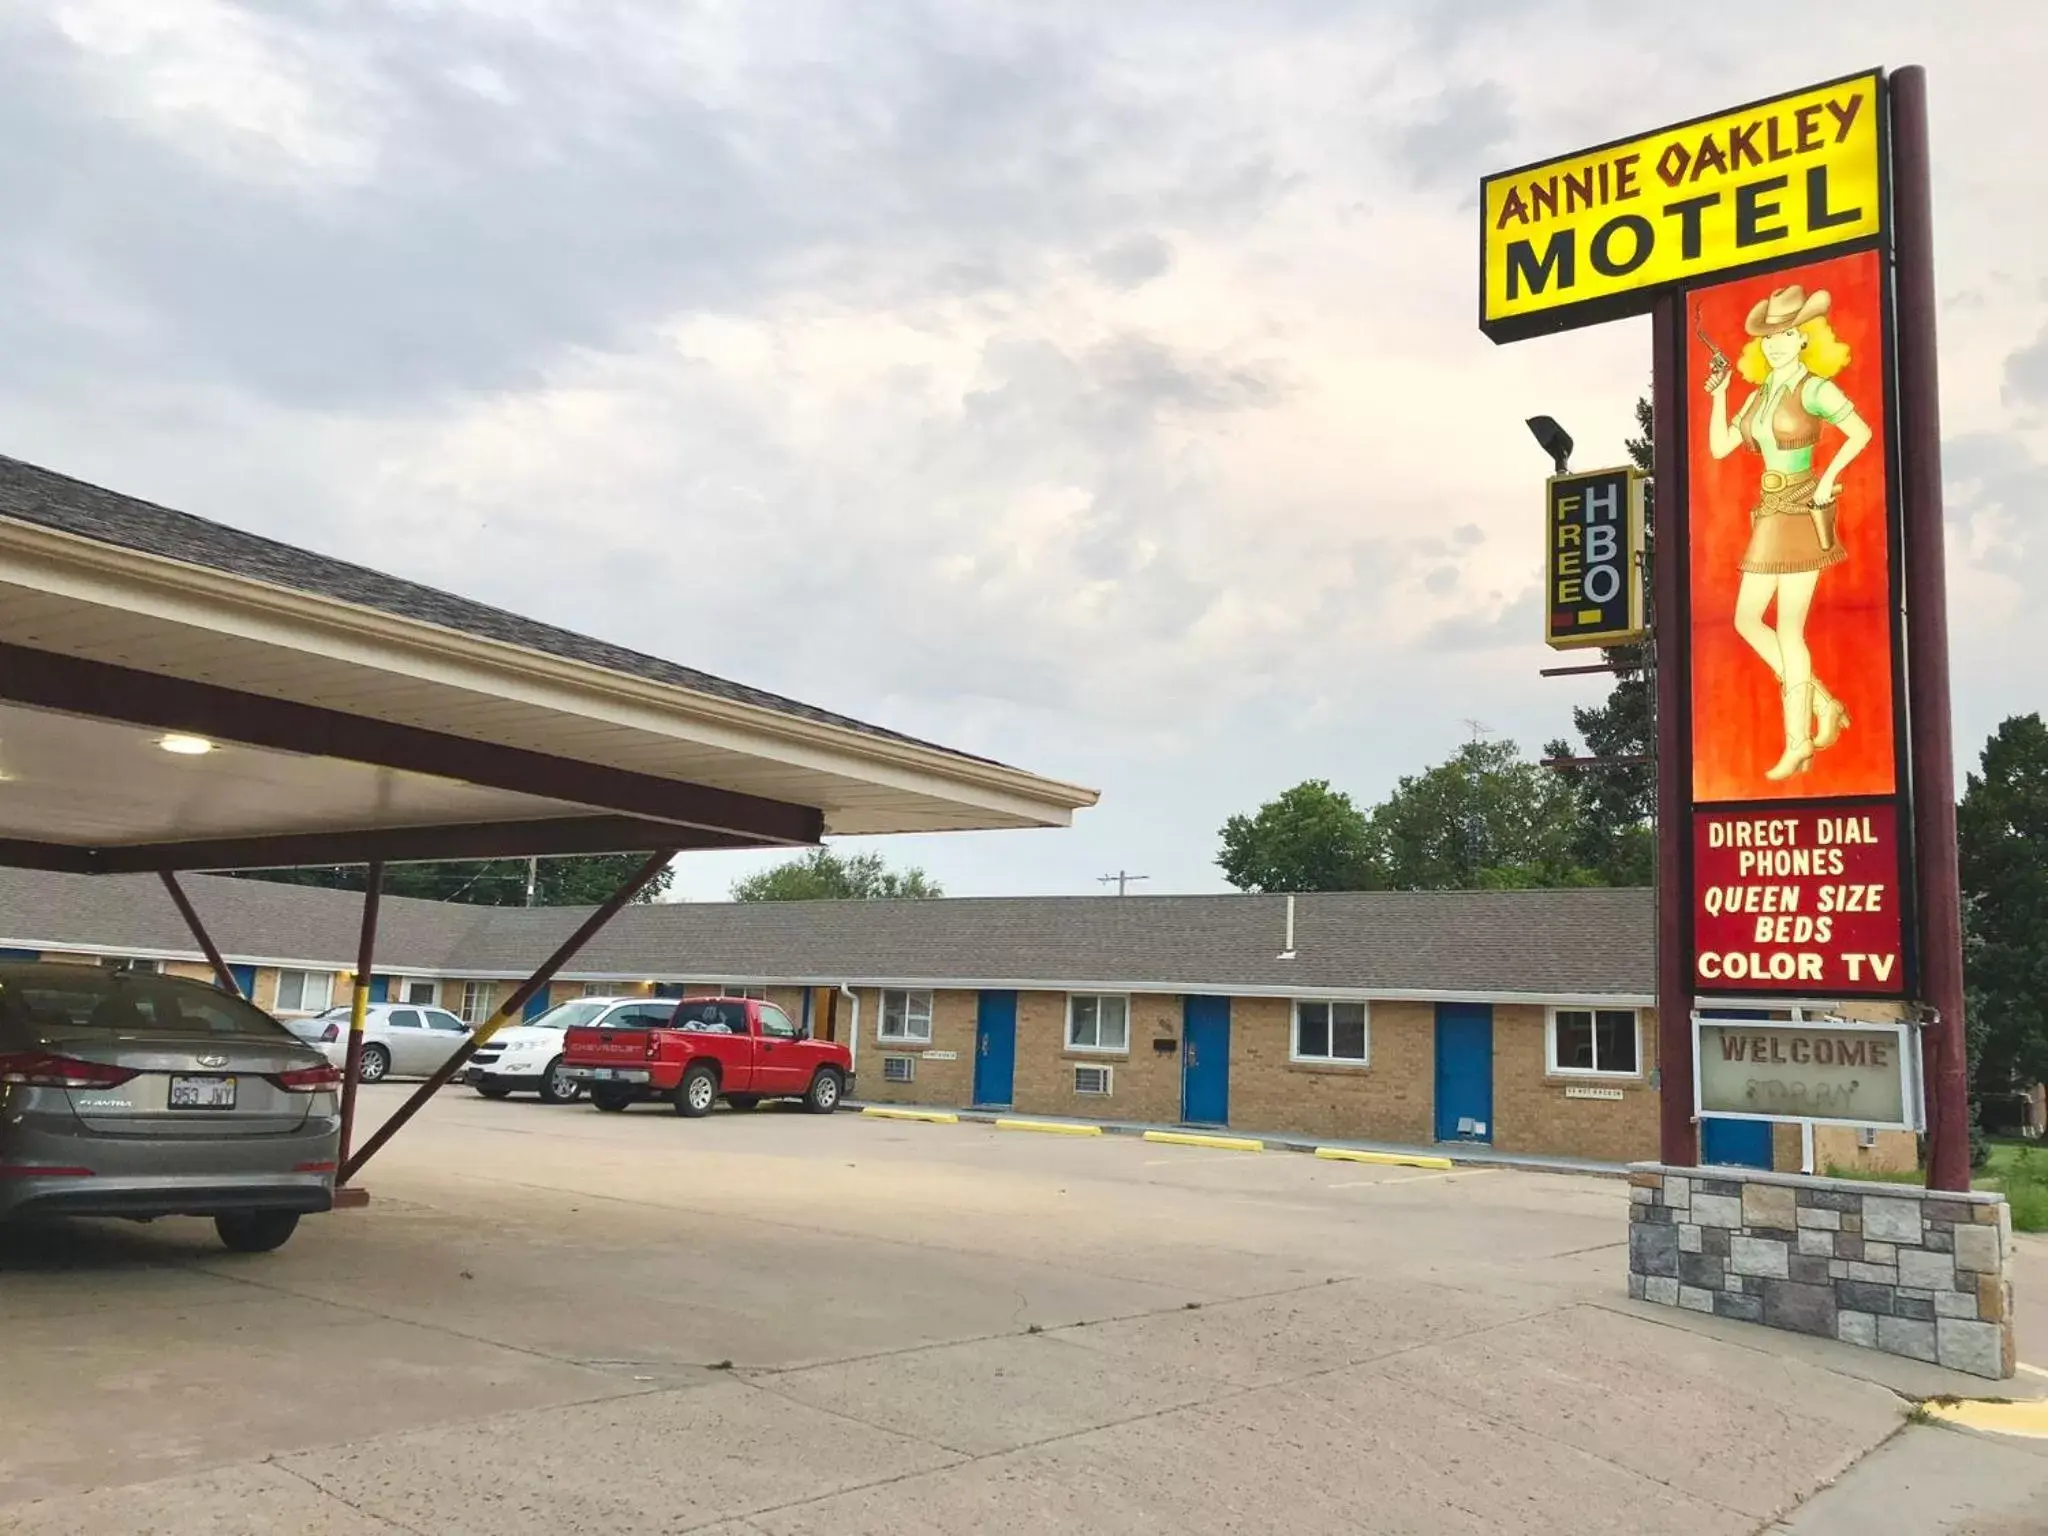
{"x":314,"y":1167}
{"x":308,"y":1079}
{"x":330,"y":1034}
{"x":653,"y":1045}
{"x":41,"y":1069}
{"x":47,"y":1171}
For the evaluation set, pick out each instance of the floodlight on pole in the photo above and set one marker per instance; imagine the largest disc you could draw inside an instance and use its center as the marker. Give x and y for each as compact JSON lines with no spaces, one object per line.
{"x":1553,"y":440}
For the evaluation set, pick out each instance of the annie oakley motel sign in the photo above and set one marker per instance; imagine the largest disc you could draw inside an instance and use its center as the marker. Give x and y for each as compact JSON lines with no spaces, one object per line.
{"x":1594,"y":232}
{"x":1766,"y":224}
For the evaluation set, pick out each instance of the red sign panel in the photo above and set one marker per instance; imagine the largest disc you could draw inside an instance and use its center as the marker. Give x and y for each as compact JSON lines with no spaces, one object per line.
{"x":1790,"y":602}
{"x":1799,"y":898}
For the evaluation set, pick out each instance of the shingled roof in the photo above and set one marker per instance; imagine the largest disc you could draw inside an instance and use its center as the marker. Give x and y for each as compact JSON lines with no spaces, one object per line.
{"x":31,"y":494}
{"x":1478,"y":944}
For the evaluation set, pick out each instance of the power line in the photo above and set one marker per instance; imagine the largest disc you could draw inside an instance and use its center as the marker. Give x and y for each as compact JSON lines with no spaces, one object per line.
{"x":1121,"y":878}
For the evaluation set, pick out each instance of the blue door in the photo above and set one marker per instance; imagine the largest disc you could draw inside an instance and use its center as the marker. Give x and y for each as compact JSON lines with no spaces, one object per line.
{"x":380,"y":989}
{"x":21,"y":954}
{"x":536,"y":1005}
{"x":1735,"y":1143}
{"x":995,"y":1048}
{"x":1205,"y":1060}
{"x":1464,"y":1072}
{"x":245,"y":979}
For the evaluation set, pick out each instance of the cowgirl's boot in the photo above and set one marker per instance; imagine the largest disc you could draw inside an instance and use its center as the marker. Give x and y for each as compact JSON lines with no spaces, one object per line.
{"x":1830,"y":718}
{"x":1798,"y":733}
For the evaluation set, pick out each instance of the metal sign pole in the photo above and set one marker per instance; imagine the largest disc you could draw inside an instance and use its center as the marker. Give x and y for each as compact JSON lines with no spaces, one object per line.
{"x":1678,"y":1130}
{"x":1937,"y":879}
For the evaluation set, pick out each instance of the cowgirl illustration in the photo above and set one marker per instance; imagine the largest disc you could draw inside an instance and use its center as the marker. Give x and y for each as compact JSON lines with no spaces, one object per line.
{"x":1792,"y":358}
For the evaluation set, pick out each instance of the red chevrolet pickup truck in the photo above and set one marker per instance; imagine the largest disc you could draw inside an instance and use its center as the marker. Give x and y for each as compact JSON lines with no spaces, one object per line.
{"x":735,"y":1048}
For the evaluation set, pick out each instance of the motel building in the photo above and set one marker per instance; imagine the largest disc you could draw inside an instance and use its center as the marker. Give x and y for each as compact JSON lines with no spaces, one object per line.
{"x":1516,"y":1021}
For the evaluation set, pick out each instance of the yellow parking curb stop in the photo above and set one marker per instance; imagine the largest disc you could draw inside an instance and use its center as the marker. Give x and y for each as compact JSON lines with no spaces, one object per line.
{"x":1197,"y":1139}
{"x":1049,"y":1127}
{"x":929,"y":1116}
{"x":2027,"y":1420}
{"x":1388,"y":1159}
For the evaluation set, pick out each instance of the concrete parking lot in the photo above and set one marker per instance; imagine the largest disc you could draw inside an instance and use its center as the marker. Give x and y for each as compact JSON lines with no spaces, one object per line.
{"x":554,"y":1320}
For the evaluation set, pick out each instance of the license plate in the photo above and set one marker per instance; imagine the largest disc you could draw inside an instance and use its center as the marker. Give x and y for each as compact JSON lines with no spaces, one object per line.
{"x":603,"y":1073}
{"x":202,"y":1093}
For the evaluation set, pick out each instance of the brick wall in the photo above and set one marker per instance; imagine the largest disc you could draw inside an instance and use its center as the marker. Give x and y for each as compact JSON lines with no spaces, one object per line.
{"x":1531,"y":1109}
{"x":1145,"y":1082}
{"x":940,"y":1082}
{"x":1388,"y":1099}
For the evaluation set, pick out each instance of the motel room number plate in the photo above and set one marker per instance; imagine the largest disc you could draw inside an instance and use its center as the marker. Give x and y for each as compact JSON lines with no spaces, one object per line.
{"x":202,"y":1093}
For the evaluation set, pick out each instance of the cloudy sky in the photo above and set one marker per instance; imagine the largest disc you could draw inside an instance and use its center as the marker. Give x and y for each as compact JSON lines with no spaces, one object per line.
{"x":1092,"y":386}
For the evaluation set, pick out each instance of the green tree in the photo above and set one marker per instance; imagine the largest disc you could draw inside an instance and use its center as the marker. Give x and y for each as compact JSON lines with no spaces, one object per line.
{"x":568,"y":881}
{"x":2002,"y":834}
{"x":1618,"y":806}
{"x":822,"y":875}
{"x":1487,"y":818}
{"x":1310,"y":838}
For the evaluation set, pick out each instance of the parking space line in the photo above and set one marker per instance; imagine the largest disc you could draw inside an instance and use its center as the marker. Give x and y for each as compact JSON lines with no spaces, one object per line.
{"x":1412,"y":1178}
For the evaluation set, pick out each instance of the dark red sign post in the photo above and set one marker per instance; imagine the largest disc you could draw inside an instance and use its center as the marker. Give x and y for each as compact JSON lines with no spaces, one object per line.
{"x":1936,"y":871}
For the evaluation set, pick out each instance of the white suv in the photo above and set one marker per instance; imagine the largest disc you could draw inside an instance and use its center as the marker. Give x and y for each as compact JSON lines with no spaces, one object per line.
{"x":527,"y":1058}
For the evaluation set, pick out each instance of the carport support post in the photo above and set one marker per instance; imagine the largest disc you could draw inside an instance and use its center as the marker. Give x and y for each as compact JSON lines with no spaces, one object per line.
{"x":507,"y":1011}
{"x":222,"y":976}
{"x":359,"y":1009}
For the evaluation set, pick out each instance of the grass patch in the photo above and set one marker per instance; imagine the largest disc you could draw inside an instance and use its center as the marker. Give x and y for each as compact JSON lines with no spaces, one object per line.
{"x":2017,"y":1169}
{"x":2020,"y":1169}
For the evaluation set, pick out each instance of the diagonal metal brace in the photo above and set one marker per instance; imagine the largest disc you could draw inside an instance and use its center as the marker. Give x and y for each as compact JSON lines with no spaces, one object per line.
{"x":509,"y":1009}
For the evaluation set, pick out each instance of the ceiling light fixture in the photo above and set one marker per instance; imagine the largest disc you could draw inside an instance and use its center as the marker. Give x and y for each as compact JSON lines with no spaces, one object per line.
{"x":185,"y":746}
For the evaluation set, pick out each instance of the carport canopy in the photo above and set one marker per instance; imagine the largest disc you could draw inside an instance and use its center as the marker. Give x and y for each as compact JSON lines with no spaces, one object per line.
{"x":176,"y":694}
{"x":332,"y":714}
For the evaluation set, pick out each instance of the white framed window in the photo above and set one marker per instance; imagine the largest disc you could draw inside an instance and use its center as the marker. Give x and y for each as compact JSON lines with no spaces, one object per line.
{"x":734,"y":989}
{"x":425,"y":993}
{"x":125,"y":963}
{"x":899,"y":1069}
{"x":1098,"y":1021}
{"x":596,"y":989}
{"x":1596,"y":1042}
{"x":1094,"y":1082}
{"x":304,"y":991}
{"x":906,"y":1016}
{"x":476,"y":1001}
{"x":1326,"y":1030}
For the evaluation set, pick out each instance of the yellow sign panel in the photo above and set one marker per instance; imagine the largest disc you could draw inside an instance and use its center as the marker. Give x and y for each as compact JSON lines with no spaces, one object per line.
{"x":1593,"y":236}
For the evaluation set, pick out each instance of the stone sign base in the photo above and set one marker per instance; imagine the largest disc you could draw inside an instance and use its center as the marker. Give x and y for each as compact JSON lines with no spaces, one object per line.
{"x":1915,"y":1272}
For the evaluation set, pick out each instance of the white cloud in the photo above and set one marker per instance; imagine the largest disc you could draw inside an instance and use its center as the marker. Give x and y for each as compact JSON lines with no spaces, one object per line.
{"x":227,"y":86}
{"x":1096,"y":388}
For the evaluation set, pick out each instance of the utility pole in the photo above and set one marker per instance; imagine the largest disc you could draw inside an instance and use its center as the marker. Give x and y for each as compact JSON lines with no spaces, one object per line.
{"x":1122,"y":877}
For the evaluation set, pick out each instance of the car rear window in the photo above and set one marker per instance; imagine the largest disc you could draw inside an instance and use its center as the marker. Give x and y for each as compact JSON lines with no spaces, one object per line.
{"x":711,"y":1018}
{"x":125,"y":1003}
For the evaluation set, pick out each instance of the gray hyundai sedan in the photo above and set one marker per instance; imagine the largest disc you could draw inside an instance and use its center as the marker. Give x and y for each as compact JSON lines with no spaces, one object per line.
{"x":124,"y":1093}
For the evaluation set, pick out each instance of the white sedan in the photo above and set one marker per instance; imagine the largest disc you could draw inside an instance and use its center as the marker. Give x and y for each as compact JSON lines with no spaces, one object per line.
{"x":399,"y":1039}
{"x":527,"y":1058}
